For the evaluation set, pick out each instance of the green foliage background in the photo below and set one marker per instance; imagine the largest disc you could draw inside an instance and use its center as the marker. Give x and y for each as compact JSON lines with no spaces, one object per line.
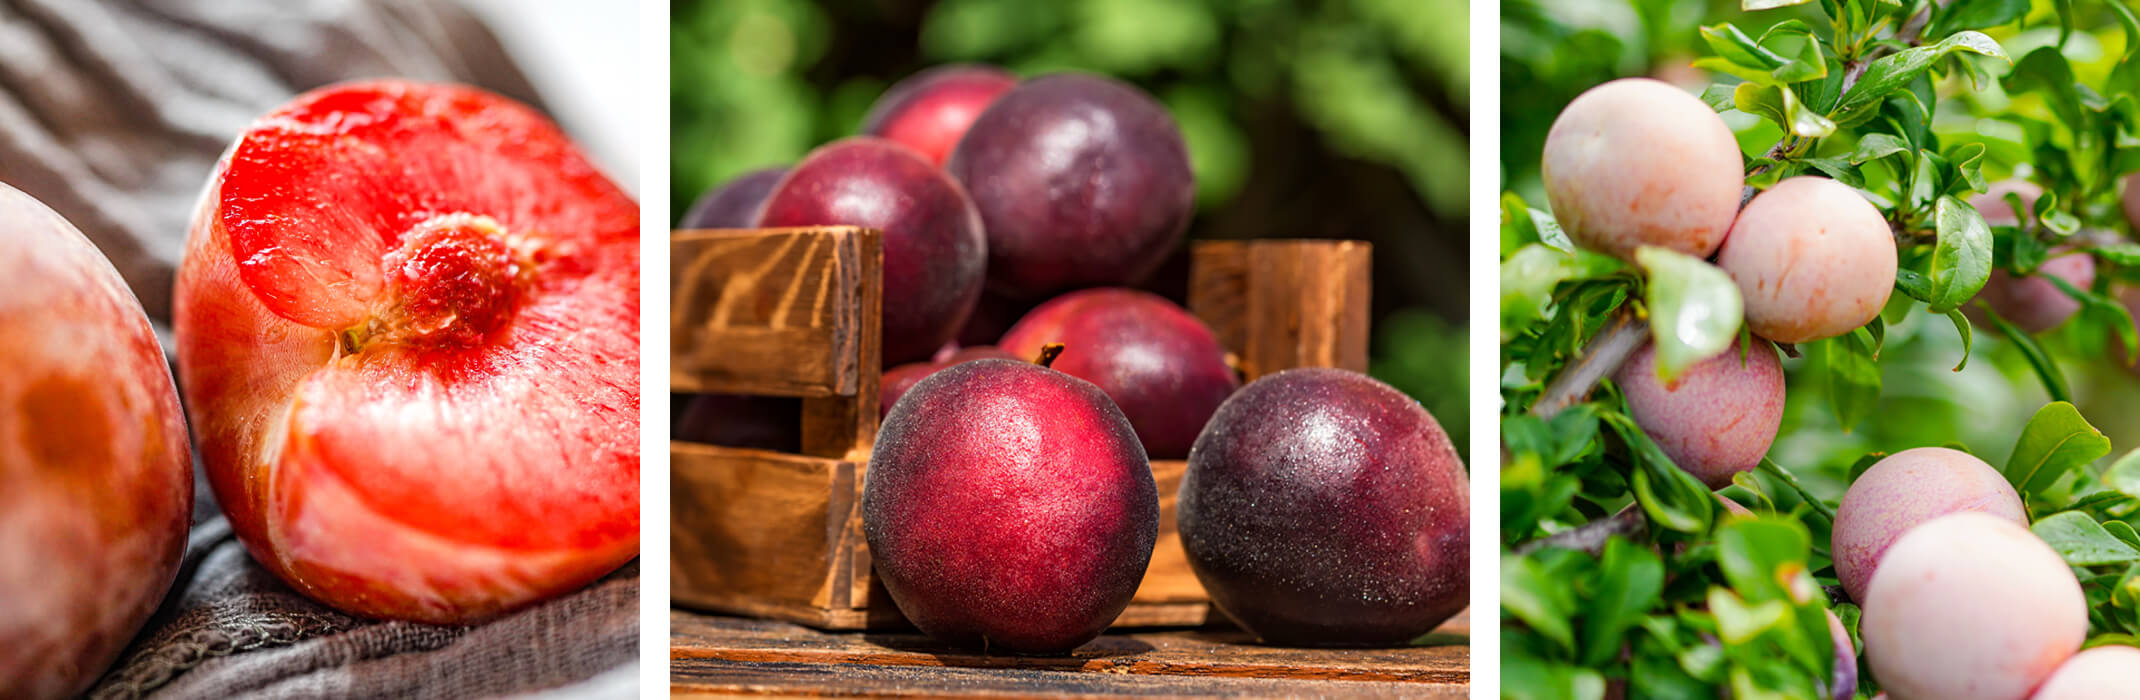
{"x":1332,"y":119}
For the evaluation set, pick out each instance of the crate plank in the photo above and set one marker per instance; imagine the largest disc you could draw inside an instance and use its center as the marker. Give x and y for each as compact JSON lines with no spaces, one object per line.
{"x":755,"y":532}
{"x":773,"y":312}
{"x":725,"y":654}
{"x":1279,"y":304}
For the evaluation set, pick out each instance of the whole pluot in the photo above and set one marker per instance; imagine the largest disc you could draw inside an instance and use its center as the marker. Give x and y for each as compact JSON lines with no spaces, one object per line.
{"x":1008,"y":507}
{"x":929,"y":111}
{"x":933,"y":247}
{"x":1718,"y":417}
{"x":1155,"y":360}
{"x":1812,"y":258}
{"x":1907,"y":489}
{"x":1970,"y":606}
{"x":735,"y":203}
{"x":1324,"y":508}
{"x":96,"y":481}
{"x":2101,"y":673}
{"x":1637,"y":162}
{"x":2031,"y":303}
{"x":1083,"y":181}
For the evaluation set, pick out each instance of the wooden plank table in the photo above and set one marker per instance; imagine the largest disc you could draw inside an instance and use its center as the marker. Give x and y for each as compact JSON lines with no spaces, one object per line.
{"x":721,"y":656}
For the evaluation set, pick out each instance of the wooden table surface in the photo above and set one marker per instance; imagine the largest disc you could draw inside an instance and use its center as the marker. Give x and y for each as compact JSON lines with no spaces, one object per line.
{"x":720,"y":656}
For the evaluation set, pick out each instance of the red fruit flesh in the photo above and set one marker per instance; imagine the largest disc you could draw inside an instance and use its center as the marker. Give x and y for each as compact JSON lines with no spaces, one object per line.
{"x":898,"y":380}
{"x":929,"y":111}
{"x":407,"y":323}
{"x":1322,"y":507}
{"x":96,"y":482}
{"x":1009,"y":507}
{"x":933,"y":246}
{"x":1155,"y":360}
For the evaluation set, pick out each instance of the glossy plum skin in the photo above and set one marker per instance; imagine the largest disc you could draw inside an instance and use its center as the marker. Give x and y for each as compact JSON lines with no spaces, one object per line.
{"x":1812,"y":258}
{"x":1905,"y":490}
{"x":2101,"y":673}
{"x":1718,"y":418}
{"x":1637,"y":162}
{"x":1008,"y":507}
{"x":2031,"y":303}
{"x":1970,"y":606}
{"x":96,"y":478}
{"x":1155,"y":360}
{"x":735,"y":203}
{"x":933,"y":246}
{"x":897,"y":380}
{"x":374,"y":450}
{"x":1082,"y":181}
{"x":929,"y":111}
{"x":757,"y":422}
{"x":1324,"y":508}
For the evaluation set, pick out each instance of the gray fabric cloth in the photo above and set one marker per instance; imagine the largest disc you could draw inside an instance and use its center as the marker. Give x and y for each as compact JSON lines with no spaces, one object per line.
{"x":113,"y":112}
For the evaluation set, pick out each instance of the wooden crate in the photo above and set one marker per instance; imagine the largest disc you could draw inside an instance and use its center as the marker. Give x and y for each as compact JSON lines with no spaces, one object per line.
{"x":796,"y":312}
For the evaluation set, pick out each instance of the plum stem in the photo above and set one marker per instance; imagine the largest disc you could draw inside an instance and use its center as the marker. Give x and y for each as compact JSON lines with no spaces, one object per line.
{"x":1590,"y":537}
{"x":1048,"y":353}
{"x":1607,"y":350}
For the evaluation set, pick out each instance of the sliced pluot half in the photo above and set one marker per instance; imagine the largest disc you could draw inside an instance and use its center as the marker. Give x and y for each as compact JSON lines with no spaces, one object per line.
{"x":408,"y":336}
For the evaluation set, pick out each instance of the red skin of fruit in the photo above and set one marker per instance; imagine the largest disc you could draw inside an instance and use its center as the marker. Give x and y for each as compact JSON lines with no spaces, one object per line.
{"x":1008,"y":507}
{"x":1083,"y":181}
{"x":1159,"y":363}
{"x":407,"y":325}
{"x":2031,"y":303}
{"x":929,"y":111}
{"x":1324,"y":508}
{"x":897,"y":380}
{"x":1717,"y":418}
{"x":96,"y":481}
{"x":1637,"y":162}
{"x":735,"y":203}
{"x":1812,"y":258}
{"x":933,"y":246}
{"x":1905,"y":490}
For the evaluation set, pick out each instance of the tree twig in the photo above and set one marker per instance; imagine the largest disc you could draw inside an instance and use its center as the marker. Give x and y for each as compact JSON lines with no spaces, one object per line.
{"x":1590,"y":537}
{"x":1624,"y":333}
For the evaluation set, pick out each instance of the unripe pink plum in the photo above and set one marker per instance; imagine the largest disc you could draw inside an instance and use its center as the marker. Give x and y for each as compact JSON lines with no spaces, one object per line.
{"x":1971,"y":606}
{"x":1844,"y":681}
{"x":1717,"y":418}
{"x":2031,"y":303}
{"x":1813,"y":260}
{"x":1637,"y":162}
{"x":1903,"y":491}
{"x":2102,"y":673}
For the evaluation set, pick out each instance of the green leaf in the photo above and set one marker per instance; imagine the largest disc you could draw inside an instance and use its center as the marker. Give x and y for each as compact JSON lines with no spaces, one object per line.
{"x":1853,"y":376}
{"x":1892,"y":73}
{"x":1529,"y":276}
{"x":1673,"y":499}
{"x":1630,"y":578}
{"x":2123,"y":475}
{"x":1779,"y":104}
{"x":2105,"y":310}
{"x":1961,"y":259}
{"x":2054,"y":381}
{"x":1694,"y":307}
{"x":2082,"y":541}
{"x":1963,"y":329}
{"x":1765,"y":560}
{"x":1738,"y":622}
{"x":1531,"y":594}
{"x":1876,"y":146}
{"x":2057,"y":441}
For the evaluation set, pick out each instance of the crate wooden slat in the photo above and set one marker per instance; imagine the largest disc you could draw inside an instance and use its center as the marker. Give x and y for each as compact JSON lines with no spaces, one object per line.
{"x":779,"y":536}
{"x":719,"y":654}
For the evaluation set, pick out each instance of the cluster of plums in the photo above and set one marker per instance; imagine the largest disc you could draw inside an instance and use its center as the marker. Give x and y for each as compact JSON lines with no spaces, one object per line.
{"x":1960,"y":600}
{"x":1009,"y":502}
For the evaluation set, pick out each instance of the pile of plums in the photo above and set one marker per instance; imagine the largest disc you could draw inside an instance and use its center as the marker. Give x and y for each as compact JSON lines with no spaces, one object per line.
{"x":1960,"y":600}
{"x":1009,"y":502}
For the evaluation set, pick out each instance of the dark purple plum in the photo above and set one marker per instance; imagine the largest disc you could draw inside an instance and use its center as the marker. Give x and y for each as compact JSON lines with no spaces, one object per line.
{"x":1324,"y":508}
{"x":759,"y":422}
{"x":1155,"y":360}
{"x":1008,"y":507}
{"x":735,"y":203}
{"x":934,"y":251}
{"x":1083,"y":181}
{"x":930,"y":110}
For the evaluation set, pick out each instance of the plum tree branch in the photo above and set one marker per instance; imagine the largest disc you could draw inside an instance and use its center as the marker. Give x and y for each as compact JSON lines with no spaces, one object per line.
{"x":1590,"y":537}
{"x":1610,"y":348}
{"x":1853,"y":71}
